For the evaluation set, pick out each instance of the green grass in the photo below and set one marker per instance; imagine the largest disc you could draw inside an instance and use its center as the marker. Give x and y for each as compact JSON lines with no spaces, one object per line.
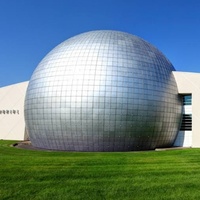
{"x":150,"y":175}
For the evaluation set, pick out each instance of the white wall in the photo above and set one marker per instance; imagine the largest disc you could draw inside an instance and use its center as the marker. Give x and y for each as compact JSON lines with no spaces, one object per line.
{"x":189,"y":83}
{"x":12,"y":125}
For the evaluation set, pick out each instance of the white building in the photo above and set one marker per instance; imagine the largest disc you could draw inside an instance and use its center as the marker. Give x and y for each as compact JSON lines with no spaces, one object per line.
{"x":189,"y":87}
{"x":12,"y":125}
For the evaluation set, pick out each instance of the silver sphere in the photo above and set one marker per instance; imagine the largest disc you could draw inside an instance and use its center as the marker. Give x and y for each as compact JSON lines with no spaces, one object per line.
{"x":103,"y":91}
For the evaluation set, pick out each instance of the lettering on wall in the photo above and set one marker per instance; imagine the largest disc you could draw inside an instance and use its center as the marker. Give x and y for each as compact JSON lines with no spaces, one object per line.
{"x":14,"y":112}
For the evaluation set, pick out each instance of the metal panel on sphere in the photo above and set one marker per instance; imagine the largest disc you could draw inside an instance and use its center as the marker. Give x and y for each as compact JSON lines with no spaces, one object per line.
{"x":103,"y":91}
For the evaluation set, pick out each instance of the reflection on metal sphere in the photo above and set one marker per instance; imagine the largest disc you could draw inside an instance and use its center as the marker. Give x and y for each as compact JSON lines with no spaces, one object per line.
{"x":103,"y":91}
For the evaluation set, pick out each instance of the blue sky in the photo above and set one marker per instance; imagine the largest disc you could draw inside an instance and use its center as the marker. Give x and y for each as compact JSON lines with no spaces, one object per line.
{"x":29,"y":29}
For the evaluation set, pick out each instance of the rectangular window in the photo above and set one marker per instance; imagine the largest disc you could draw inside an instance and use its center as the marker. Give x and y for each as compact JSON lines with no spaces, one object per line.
{"x":187,"y":99}
{"x":186,"y":124}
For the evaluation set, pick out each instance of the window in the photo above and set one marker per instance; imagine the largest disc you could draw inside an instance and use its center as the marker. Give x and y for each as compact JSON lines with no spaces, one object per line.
{"x":186,"y":124}
{"x":187,"y":99}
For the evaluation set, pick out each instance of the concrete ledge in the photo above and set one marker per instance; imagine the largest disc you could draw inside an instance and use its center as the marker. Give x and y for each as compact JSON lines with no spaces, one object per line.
{"x":171,"y":148}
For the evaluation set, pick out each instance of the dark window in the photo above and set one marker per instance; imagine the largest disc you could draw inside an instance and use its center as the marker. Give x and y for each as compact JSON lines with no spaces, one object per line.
{"x":187,"y":99}
{"x":186,"y":124}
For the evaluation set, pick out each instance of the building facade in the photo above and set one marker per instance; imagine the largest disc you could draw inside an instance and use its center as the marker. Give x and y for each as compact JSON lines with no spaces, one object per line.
{"x":12,"y":124}
{"x":103,"y":91}
{"x":189,"y":89}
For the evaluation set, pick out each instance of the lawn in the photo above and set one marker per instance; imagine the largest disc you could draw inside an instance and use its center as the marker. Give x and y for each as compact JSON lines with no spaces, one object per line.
{"x":149,"y":175}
